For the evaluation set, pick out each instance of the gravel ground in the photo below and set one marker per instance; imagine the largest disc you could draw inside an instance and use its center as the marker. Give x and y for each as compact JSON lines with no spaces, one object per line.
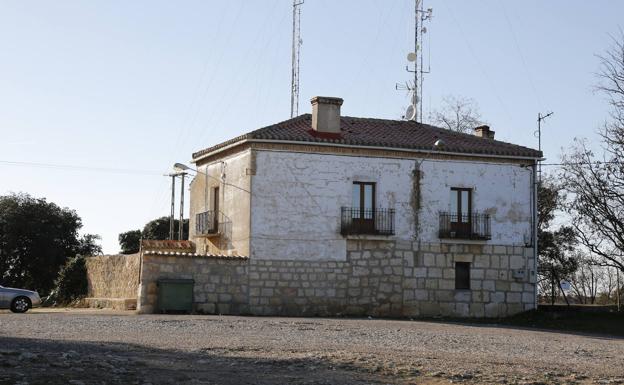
{"x":96,"y":347}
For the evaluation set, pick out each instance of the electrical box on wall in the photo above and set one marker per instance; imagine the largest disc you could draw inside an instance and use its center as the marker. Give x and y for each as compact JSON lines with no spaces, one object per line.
{"x":519,"y":274}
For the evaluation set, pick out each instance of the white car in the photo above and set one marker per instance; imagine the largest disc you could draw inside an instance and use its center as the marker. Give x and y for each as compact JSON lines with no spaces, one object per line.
{"x":18,"y":300}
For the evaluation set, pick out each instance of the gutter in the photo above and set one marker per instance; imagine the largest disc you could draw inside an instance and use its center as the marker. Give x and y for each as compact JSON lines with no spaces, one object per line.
{"x":535,"y":229}
{"x":409,"y":150}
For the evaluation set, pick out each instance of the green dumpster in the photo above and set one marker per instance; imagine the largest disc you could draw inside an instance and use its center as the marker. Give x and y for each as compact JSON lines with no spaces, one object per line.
{"x":175,"y":295}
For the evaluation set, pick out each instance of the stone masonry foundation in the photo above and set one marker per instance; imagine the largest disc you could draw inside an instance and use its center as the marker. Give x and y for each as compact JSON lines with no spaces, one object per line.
{"x":379,"y":278}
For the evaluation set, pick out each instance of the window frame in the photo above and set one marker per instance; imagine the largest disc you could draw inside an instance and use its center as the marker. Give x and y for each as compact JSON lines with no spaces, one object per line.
{"x":459,"y":191}
{"x":459,"y":284}
{"x":362,"y":205}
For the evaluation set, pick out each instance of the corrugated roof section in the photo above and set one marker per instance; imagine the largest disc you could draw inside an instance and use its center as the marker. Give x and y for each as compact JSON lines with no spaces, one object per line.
{"x":382,"y":133}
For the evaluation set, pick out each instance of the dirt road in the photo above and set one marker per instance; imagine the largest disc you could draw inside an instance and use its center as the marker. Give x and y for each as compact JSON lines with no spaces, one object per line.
{"x":97,"y":347}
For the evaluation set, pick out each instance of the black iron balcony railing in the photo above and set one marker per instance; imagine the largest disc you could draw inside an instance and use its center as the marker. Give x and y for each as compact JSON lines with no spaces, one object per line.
{"x":207,"y":223}
{"x":466,"y":226}
{"x":355,"y":220}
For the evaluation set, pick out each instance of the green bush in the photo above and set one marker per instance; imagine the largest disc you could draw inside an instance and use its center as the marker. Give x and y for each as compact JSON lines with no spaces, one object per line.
{"x":71,"y":283}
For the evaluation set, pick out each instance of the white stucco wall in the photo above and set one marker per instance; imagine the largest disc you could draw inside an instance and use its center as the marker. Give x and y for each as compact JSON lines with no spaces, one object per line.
{"x":296,"y":200}
{"x":231,"y":175}
{"x":502,"y":190}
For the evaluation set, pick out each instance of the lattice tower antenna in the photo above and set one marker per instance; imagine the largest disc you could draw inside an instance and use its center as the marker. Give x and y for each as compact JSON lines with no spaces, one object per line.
{"x":296,"y":54}
{"x":414,"y":111}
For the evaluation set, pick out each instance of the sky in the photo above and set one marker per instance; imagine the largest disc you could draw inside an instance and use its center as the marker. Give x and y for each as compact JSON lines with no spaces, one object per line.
{"x":98,"y":99}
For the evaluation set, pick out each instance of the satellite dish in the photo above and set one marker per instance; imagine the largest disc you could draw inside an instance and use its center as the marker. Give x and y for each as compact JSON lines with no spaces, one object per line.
{"x":410,"y":112}
{"x":411,"y":57}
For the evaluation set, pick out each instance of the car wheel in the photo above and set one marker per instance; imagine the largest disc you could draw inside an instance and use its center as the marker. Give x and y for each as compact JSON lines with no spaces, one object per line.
{"x":20,"y":305}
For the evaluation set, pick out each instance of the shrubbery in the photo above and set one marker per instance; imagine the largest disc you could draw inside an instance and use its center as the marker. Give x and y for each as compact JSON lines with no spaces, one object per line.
{"x":71,"y":283}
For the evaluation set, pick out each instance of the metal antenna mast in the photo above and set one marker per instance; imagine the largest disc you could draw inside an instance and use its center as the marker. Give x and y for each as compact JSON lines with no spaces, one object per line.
{"x":414,"y":111}
{"x":538,"y":133}
{"x":416,"y":101}
{"x":296,"y":52}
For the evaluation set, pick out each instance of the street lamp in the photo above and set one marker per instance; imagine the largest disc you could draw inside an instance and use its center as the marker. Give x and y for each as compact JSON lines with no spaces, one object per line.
{"x":180,"y":167}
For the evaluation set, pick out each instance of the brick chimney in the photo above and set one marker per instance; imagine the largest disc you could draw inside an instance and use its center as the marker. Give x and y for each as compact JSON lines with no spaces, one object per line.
{"x":326,"y":114}
{"x":484,"y":132}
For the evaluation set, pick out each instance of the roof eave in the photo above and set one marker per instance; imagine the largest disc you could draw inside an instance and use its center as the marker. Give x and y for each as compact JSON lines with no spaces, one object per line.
{"x":220,"y":149}
{"x":411,"y":150}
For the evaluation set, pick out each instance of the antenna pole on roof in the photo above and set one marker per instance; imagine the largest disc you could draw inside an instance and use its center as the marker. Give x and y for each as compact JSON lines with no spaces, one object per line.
{"x":414,"y":111}
{"x":417,"y":4}
{"x":296,"y":51}
{"x":538,"y":133}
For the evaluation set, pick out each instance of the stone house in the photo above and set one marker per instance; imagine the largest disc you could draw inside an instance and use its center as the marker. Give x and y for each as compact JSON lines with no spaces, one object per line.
{"x":325,"y":214}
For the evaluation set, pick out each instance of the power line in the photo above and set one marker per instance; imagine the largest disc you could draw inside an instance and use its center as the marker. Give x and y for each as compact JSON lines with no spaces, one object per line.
{"x":524,"y":63}
{"x":475,"y":57}
{"x":80,"y":168}
{"x":582,"y":163}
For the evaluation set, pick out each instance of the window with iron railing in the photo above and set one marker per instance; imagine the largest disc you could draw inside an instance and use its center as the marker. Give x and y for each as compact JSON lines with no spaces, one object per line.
{"x":465,"y":226}
{"x":207,"y":222}
{"x":358,"y":220}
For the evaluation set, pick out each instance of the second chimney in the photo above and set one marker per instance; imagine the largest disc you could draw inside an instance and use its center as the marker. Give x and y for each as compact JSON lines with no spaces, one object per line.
{"x":326,"y":114}
{"x":484,"y":132}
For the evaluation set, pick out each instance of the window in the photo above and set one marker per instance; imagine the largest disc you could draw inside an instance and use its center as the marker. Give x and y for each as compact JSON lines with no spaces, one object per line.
{"x":215,"y":207}
{"x":461,"y":204}
{"x":363,"y":202}
{"x":363,"y":198}
{"x":461,"y":212}
{"x":462,"y":275}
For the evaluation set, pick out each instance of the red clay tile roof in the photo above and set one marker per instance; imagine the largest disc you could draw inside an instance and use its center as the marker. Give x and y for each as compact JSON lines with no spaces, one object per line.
{"x":381,"y":133}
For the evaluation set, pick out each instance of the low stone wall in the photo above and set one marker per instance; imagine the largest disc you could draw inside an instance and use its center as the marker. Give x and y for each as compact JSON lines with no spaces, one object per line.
{"x":307,"y":288}
{"x":379,"y":278}
{"x":113,"y":276}
{"x":220,"y":282}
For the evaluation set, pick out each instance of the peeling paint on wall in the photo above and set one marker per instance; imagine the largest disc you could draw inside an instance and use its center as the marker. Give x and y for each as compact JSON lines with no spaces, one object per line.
{"x":295,"y":199}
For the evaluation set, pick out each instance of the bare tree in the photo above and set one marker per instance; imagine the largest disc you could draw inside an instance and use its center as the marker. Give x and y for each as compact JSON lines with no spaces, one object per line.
{"x":586,"y":281}
{"x":596,"y":184}
{"x":609,"y":285}
{"x":457,"y":113}
{"x":557,"y":261}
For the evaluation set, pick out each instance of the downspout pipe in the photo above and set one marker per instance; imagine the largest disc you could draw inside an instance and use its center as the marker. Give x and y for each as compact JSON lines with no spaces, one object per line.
{"x":535,"y":229}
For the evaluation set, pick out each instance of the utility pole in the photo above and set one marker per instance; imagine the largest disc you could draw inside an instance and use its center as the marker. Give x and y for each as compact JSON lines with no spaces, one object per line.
{"x":296,"y":53}
{"x":171,"y":225}
{"x":540,"y":117}
{"x":617,"y":274}
{"x":181,"y":223}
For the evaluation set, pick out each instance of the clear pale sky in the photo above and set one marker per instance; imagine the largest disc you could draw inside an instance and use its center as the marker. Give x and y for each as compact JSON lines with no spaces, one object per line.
{"x":135,"y":86}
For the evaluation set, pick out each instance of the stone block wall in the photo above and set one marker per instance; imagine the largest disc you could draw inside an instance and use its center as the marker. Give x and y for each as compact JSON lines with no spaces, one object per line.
{"x":113,"y":276}
{"x":220,"y":282}
{"x":429,"y":280}
{"x":379,"y":278}
{"x":307,"y":288}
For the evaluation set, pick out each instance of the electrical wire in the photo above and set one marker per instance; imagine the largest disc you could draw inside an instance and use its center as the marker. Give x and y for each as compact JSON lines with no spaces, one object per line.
{"x":186,"y":131}
{"x":477,"y":61}
{"x":524,"y":63}
{"x":582,"y":163}
{"x":80,"y":168}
